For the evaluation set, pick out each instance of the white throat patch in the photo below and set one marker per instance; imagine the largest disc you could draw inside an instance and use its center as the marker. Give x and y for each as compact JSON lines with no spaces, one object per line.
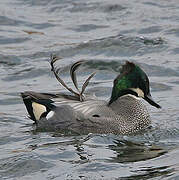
{"x":138,"y":91}
{"x":133,"y":96}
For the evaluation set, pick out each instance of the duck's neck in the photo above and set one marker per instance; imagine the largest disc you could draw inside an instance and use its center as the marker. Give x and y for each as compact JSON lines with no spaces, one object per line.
{"x":117,"y":94}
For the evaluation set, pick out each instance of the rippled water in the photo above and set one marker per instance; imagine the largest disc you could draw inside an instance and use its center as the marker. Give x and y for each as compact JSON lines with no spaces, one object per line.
{"x":105,"y":34}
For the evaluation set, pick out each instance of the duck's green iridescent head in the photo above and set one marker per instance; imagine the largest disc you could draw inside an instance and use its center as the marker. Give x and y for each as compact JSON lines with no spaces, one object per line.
{"x":132,"y":80}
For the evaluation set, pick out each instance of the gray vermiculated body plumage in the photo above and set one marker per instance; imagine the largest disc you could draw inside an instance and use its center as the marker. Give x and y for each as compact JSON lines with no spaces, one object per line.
{"x":125,"y":116}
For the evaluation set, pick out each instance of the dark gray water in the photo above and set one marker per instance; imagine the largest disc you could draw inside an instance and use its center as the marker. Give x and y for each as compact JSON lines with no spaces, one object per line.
{"x":105,"y":34}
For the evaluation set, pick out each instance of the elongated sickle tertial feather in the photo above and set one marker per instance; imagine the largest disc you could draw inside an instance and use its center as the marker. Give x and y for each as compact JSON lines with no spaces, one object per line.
{"x":87,"y":82}
{"x":53,"y":60}
{"x":73,"y":68}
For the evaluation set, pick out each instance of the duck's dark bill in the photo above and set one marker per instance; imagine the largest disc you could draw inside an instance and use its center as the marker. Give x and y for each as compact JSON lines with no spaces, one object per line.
{"x":150,"y":100}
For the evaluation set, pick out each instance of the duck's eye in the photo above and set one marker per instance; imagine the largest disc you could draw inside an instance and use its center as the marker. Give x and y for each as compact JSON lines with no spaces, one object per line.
{"x":96,"y":115}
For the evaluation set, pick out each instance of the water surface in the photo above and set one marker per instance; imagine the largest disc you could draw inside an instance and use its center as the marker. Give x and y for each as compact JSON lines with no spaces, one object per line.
{"x":105,"y":34}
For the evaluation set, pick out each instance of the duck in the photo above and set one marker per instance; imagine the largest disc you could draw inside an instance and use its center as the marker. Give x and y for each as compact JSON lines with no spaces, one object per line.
{"x":124,"y":113}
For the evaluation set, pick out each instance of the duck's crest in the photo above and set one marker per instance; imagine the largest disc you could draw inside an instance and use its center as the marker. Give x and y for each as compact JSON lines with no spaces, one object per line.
{"x":128,"y":67}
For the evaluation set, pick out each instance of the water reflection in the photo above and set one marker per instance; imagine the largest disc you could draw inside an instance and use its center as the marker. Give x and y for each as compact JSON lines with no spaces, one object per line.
{"x":151,"y":172}
{"x":128,"y":151}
